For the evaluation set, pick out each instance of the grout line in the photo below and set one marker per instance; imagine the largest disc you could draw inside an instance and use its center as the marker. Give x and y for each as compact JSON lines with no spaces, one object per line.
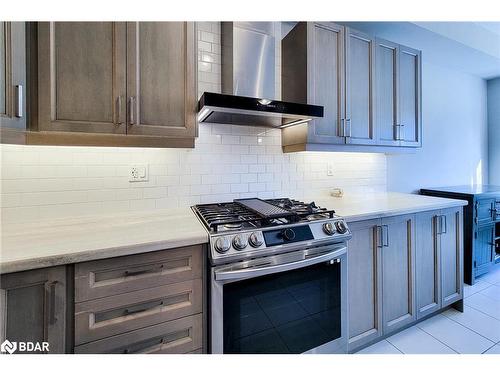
{"x":494,"y":317}
{"x":390,"y":343}
{"x":470,"y":329}
{"x":435,"y":338}
{"x":489,"y":348}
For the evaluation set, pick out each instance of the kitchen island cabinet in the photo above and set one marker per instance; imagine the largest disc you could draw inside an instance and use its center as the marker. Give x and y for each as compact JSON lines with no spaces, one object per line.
{"x":481,"y":234}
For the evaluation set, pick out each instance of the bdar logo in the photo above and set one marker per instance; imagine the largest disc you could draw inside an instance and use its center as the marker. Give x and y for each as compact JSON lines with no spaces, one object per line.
{"x":8,"y":346}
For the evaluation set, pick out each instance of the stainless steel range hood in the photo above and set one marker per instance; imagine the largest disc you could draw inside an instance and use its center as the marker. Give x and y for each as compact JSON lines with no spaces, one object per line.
{"x":248,"y":82}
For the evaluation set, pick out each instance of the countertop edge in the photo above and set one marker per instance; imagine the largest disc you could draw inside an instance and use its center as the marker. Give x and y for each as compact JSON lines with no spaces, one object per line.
{"x":406,"y":211}
{"x":97,"y":254}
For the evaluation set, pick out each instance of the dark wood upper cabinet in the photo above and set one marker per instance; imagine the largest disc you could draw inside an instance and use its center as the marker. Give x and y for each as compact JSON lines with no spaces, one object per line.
{"x":12,"y":81}
{"x":81,"y":80}
{"x":161,"y":79}
{"x":99,"y":81}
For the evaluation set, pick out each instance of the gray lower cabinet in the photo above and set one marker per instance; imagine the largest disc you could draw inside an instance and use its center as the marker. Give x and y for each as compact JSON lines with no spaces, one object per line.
{"x":33,"y":307}
{"x":428,"y":262}
{"x":439,"y":260}
{"x":484,"y":250}
{"x":145,"y":303}
{"x":401,"y":269}
{"x":397,"y":244}
{"x":12,"y":81}
{"x":365,"y":284}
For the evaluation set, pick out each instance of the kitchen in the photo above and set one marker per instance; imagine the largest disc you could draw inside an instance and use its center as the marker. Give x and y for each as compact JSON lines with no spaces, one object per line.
{"x":250,"y":187}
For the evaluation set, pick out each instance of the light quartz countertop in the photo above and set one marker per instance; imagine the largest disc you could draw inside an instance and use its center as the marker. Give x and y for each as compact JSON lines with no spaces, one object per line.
{"x":66,"y":241}
{"x":38,"y":245}
{"x":357,"y":207}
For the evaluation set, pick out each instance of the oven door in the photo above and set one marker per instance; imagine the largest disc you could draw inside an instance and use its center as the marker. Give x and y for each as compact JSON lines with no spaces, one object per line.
{"x":288,"y":303}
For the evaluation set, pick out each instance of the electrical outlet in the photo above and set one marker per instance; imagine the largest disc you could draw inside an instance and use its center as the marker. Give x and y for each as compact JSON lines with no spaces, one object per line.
{"x":329,"y":169}
{"x":138,"y":172}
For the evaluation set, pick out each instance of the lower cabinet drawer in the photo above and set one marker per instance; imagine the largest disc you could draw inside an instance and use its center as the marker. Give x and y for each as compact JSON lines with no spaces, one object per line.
{"x":108,"y":277}
{"x":105,"y":317}
{"x":178,"y":336}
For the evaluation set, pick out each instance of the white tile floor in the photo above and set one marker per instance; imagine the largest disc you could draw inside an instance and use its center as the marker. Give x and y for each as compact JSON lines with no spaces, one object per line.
{"x":475,"y":331}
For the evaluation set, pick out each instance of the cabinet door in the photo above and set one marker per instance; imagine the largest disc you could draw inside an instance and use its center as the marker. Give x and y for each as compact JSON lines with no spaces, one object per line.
{"x":484,"y":250}
{"x":450,"y":229}
{"x":161,"y":78}
{"x":327,"y":81}
{"x":81,"y":76}
{"x":13,"y":75}
{"x":364,"y":281}
{"x":33,"y":307}
{"x":427,"y":263}
{"x":360,"y":53}
{"x":386,"y":92}
{"x":485,"y":211}
{"x":409,"y":97}
{"x":398,"y":276}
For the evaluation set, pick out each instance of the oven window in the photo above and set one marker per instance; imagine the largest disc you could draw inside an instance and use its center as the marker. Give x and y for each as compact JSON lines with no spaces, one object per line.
{"x":288,"y":312}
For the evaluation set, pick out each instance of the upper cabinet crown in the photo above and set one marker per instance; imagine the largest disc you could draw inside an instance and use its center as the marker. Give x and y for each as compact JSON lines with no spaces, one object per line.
{"x":114,"y":84}
{"x":371,"y":89}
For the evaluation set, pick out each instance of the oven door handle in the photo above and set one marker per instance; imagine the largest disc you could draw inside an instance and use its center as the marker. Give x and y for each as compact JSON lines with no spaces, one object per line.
{"x":267,"y":270}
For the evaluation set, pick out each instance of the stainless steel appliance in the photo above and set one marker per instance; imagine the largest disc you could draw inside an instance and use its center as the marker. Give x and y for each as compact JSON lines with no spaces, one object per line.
{"x":278,"y":277}
{"x":248,"y":82}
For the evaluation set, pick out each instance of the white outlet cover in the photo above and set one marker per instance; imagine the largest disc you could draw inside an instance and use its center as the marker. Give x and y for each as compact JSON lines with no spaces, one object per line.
{"x":138,"y":172}
{"x":329,"y":169}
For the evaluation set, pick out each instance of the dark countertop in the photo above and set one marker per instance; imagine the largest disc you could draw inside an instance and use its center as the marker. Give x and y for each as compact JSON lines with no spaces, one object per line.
{"x":467,"y":189}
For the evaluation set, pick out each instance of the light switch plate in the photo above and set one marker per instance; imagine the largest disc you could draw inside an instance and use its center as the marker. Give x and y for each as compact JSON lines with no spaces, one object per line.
{"x":138,"y":172}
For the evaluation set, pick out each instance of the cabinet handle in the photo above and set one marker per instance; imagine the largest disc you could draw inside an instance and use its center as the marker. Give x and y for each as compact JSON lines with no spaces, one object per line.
{"x":342,"y":127}
{"x":131,"y":109}
{"x":439,"y":224}
{"x":118,"y":116}
{"x":401,"y":132}
{"x":386,"y":235}
{"x":348,"y":132}
{"x":379,"y":236}
{"x":19,"y":101}
{"x":444,"y":226}
{"x":52,"y":303}
{"x":142,"y":272}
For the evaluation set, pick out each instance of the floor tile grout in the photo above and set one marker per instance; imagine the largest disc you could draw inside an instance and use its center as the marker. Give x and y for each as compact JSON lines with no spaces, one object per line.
{"x":489,"y":349}
{"x":437,"y":339}
{"x":470,"y":329}
{"x":481,"y":311}
{"x":390,"y":343}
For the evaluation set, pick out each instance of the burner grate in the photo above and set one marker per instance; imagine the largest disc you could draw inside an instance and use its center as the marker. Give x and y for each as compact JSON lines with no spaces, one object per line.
{"x":258,"y":213}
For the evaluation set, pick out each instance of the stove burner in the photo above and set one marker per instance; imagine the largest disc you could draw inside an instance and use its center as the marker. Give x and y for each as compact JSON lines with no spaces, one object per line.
{"x":233,"y":226}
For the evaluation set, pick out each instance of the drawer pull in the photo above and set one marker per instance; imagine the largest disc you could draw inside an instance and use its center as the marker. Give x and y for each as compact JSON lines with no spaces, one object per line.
{"x":142,"y":272}
{"x":139,"y":309}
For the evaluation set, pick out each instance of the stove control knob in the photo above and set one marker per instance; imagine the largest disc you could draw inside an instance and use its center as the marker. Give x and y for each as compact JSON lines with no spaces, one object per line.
{"x":240,"y":242}
{"x":329,"y":228}
{"x":341,"y":227}
{"x":256,"y":239}
{"x":222,"y":245}
{"x":288,"y":234}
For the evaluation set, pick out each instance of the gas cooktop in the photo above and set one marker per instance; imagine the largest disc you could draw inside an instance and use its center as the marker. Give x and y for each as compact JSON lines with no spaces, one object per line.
{"x":249,"y":228}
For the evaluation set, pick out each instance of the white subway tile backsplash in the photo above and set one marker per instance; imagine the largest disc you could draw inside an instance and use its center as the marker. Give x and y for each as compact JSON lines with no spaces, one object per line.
{"x":229,"y":162}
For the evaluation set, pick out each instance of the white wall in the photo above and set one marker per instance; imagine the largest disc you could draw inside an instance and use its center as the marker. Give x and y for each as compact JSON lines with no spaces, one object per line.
{"x":494,"y":130}
{"x":45,"y":182}
{"x":455,"y":141}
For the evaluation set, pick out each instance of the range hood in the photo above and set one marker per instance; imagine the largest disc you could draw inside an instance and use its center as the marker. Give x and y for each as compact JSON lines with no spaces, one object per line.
{"x":248,"y":82}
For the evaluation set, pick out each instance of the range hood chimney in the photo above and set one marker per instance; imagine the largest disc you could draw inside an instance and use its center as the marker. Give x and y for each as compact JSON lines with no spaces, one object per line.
{"x":248,"y":82}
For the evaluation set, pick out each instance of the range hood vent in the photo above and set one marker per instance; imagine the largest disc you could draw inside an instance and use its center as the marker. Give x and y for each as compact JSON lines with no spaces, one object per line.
{"x":243,"y":110}
{"x":248,"y":82}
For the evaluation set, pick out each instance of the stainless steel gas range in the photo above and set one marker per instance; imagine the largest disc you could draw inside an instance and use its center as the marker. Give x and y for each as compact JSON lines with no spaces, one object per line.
{"x":278,"y":277}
